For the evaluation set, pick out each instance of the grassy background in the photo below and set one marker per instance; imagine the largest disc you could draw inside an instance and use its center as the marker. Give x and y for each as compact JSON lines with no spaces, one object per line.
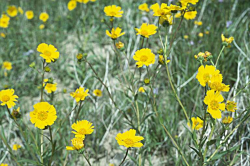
{"x":82,"y":31}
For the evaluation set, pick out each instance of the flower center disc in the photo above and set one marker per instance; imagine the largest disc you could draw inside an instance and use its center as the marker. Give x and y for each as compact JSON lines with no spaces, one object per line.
{"x":5,"y":98}
{"x":83,"y":131}
{"x":214,"y":105}
{"x":47,"y":53}
{"x":144,"y":58}
{"x":206,"y":77}
{"x":129,"y":141}
{"x":42,"y":115}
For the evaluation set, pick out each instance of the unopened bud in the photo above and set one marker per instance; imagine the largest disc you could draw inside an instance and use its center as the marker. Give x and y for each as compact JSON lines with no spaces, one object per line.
{"x":47,"y":69}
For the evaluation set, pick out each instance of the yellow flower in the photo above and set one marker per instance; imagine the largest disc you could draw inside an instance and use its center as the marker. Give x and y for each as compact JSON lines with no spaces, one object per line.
{"x":115,"y":33}
{"x":190,"y":15}
{"x":146,"y":80}
{"x":216,"y":84}
{"x":146,"y":30}
{"x":44,"y":16}
{"x":144,"y":57}
{"x":177,"y":15}
{"x":227,"y":40}
{"x":82,"y":128}
{"x":160,"y":11}
{"x":16,"y":113}
{"x":49,"y":87}
{"x":16,"y":146}
{"x":72,"y":5}
{"x":3,"y":164}
{"x":200,"y":34}
{"x":173,"y":7}
{"x":213,"y":100}
{"x":7,"y":65}
{"x":20,"y":10}
{"x":77,"y":144}
{"x":41,"y":26}
{"x":80,"y":94}
{"x":113,"y":11}
{"x":29,"y":14}
{"x":205,"y":73}
{"x":161,"y":60}
{"x":207,"y":32}
{"x":128,"y":139}
{"x":43,"y":115}
{"x":167,"y":18}
{"x":144,"y":7}
{"x":185,"y":2}
{"x":12,"y":11}
{"x":85,"y":1}
{"x":227,"y":120}
{"x":4,"y":21}
{"x":197,"y":123}
{"x":48,"y":52}
{"x":198,"y":23}
{"x":185,"y":36}
{"x":119,"y":45}
{"x":8,"y":98}
{"x":97,"y":92}
{"x":141,"y":89}
{"x":112,"y":164}
{"x":231,"y":106}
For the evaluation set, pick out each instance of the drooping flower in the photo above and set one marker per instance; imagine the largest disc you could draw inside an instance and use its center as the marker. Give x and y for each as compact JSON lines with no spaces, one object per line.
{"x":166,"y":19}
{"x":29,"y":14}
{"x":213,"y":100}
{"x":113,"y":11}
{"x":144,"y":7}
{"x":49,"y":87}
{"x":227,"y":120}
{"x":146,"y":30}
{"x":190,"y":15}
{"x":4,"y":21}
{"x":160,"y":11}
{"x":43,"y":115}
{"x":20,"y":10}
{"x":115,"y":33}
{"x":44,"y":16}
{"x":7,"y":65}
{"x":97,"y":92}
{"x":72,"y":5}
{"x":197,"y":123}
{"x":48,"y":52}
{"x":231,"y":106}
{"x":128,"y":139}
{"x":16,"y":113}
{"x":205,"y":73}
{"x":82,"y":128}
{"x":8,"y":98}
{"x":16,"y":147}
{"x":227,"y":40}
{"x":80,"y":94}
{"x":12,"y":11}
{"x":77,"y":144}
{"x":141,"y":89}
{"x":144,"y":57}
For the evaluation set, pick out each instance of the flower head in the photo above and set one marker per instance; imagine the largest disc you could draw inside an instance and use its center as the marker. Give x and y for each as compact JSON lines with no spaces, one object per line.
{"x":141,"y":89}
{"x":44,"y":16}
{"x":119,"y":45}
{"x":43,"y":115}
{"x":3,"y":164}
{"x":197,"y":123}
{"x":227,"y":40}
{"x":200,"y":34}
{"x":49,"y":87}
{"x":2,"y":35}
{"x":173,"y":8}
{"x":213,"y":100}
{"x":216,"y":84}
{"x":8,"y":98}
{"x":7,"y":65}
{"x":80,"y":94}
{"x":231,"y":106}
{"x":48,"y":52}
{"x":41,"y":26}
{"x":4,"y":21}
{"x":227,"y":120}
{"x":160,"y":11}
{"x":20,"y":10}
{"x":97,"y":92}
{"x":12,"y":11}
{"x":161,"y":60}
{"x":29,"y":14}
{"x":113,"y":11}
{"x":144,"y":57}
{"x":205,"y":73}
{"x":115,"y":33}
{"x":128,"y":139}
{"x":16,"y":147}
{"x":72,"y":5}
{"x":144,"y":7}
{"x":198,"y":23}
{"x":190,"y":15}
{"x":146,"y":30}
{"x":77,"y":144}
{"x":82,"y":128}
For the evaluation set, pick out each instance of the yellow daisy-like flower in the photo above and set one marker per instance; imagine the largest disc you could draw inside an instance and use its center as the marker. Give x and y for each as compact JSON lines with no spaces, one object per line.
{"x":227,"y":40}
{"x":82,"y":128}
{"x":119,"y":45}
{"x":177,"y":15}
{"x":190,"y":15}
{"x":72,"y":5}
{"x":43,"y":115}
{"x":197,"y":123}
{"x":144,"y":7}
{"x":144,"y":57}
{"x":97,"y":92}
{"x":205,"y":73}
{"x":80,"y":94}
{"x":200,"y":34}
{"x":44,"y":16}
{"x":231,"y":106}
{"x":4,"y":21}
{"x":141,"y":89}
{"x":216,"y":84}
{"x":113,"y":11}
{"x":12,"y":11}
{"x":49,"y":52}
{"x":16,"y":147}
{"x":227,"y":120}
{"x":207,"y":32}
{"x":160,"y":11}
{"x":77,"y":144}
{"x":128,"y":139}
{"x":2,"y":35}
{"x":8,"y":98}
{"x":184,"y":3}
{"x":161,"y":60}
{"x":3,"y":164}
{"x":213,"y":100}
{"x":167,"y":18}
{"x":146,"y":30}
{"x":185,"y":36}
{"x":115,"y":33}
{"x":41,"y":26}
{"x":7,"y":65}
{"x":173,"y":8}
{"x":49,"y":87}
{"x":198,"y":23}
{"x":20,"y":10}
{"x":29,"y":14}
{"x":85,"y":1}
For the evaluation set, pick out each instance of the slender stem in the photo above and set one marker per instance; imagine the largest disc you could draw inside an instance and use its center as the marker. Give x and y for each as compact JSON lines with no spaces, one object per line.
{"x":219,"y":56}
{"x":124,"y":157}
{"x":86,"y":159}
{"x":209,"y":139}
{"x":79,"y":109}
{"x":142,"y":42}
{"x":52,"y":144}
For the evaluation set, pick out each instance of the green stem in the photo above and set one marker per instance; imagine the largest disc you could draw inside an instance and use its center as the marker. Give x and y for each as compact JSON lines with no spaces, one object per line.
{"x":219,"y":56}
{"x":79,"y":109}
{"x":124,"y":157}
{"x":209,"y":139}
{"x":52,"y":144}
{"x":86,"y":159}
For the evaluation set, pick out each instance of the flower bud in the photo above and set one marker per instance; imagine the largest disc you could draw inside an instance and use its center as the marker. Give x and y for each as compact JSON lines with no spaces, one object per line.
{"x":33,"y":65}
{"x":146,"y":81}
{"x":47,"y":69}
